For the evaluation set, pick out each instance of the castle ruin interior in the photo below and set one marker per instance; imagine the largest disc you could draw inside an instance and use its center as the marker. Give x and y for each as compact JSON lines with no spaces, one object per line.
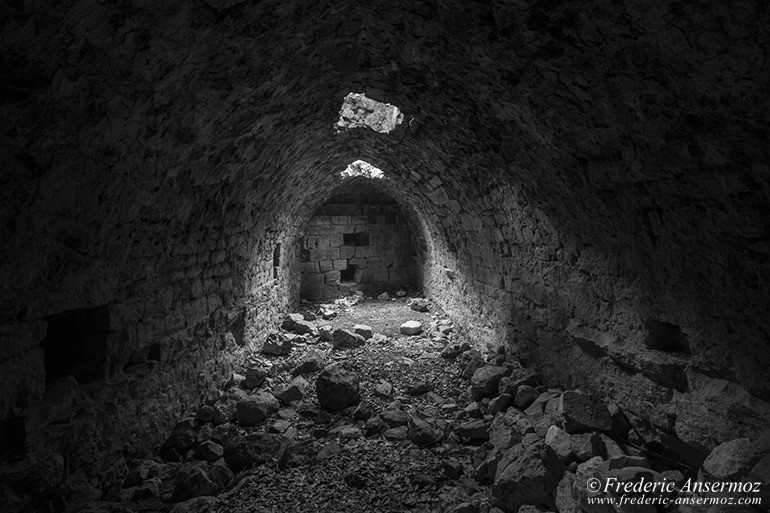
{"x":429,"y":255}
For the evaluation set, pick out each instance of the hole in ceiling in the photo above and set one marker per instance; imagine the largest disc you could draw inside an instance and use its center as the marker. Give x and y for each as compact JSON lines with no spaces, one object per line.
{"x":359,"y":111}
{"x":362,"y":168}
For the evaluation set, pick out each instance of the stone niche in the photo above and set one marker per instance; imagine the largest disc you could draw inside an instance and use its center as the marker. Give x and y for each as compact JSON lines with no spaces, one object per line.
{"x":358,"y":240}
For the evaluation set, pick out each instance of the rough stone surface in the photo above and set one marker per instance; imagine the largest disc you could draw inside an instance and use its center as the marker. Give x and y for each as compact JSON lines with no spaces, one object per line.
{"x":256,"y":408}
{"x":346,"y":339}
{"x":486,"y":379}
{"x":337,"y":388}
{"x":731,"y":460}
{"x":583,"y":412}
{"x":276,"y":345}
{"x":527,"y":476}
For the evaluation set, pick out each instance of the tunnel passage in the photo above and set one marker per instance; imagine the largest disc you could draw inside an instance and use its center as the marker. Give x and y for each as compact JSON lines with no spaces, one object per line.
{"x":359,"y":240}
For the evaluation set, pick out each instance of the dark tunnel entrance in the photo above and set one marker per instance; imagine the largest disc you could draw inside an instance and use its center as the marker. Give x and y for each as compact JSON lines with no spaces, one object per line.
{"x":359,"y":240}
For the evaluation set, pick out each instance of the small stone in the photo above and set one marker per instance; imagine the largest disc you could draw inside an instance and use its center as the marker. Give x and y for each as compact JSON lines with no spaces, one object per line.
{"x":209,"y":451}
{"x":394,"y":415}
{"x":291,"y":392}
{"x":346,"y":339}
{"x":325,"y":333}
{"x":384,"y":389}
{"x":419,"y":304}
{"x":500,"y":403}
{"x":560,"y":442}
{"x":452,"y":468}
{"x":255,"y":376}
{"x":276,"y":345}
{"x":148,"y":490}
{"x":485,"y":380}
{"x":256,"y":408}
{"x":418,"y":388}
{"x":423,"y":433}
{"x":346,"y":431}
{"x":400,"y":293}
{"x":411,"y":328}
{"x":374,"y":426}
{"x":363,"y":411}
{"x":397,"y":433}
{"x":235,"y":380}
{"x":291,"y":320}
{"x":525,"y":396}
{"x":254,"y":449}
{"x":304,"y":327}
{"x":473,"y":430}
{"x":311,"y":362}
{"x":363,"y":330}
{"x":280,"y":426}
{"x":473,"y":410}
{"x":586,"y":445}
{"x":206,"y":413}
{"x":330,"y":450}
{"x":383,"y":297}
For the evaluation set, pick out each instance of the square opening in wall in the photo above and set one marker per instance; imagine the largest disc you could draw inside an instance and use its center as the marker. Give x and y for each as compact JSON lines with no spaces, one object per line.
{"x":76,"y":344}
{"x":348,"y":274}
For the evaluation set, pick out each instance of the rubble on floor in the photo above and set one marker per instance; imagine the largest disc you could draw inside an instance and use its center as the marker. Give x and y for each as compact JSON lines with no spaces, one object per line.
{"x":361,"y":421}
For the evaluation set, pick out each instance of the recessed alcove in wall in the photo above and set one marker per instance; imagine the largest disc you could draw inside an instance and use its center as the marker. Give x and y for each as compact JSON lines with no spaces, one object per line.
{"x":359,"y":239}
{"x":76,"y":344}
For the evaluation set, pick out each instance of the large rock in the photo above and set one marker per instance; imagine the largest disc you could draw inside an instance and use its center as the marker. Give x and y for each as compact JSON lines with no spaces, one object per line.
{"x":423,"y":433}
{"x":582,"y":412}
{"x":291,"y":320}
{"x":255,"y":376}
{"x":346,"y":339}
{"x":558,"y":440}
{"x":256,"y":408}
{"x":276,"y":345}
{"x":293,"y":391}
{"x":485,"y":380}
{"x":337,"y":388}
{"x":731,"y":460}
{"x":527,"y":475}
{"x":394,"y":415}
{"x":254,"y":449}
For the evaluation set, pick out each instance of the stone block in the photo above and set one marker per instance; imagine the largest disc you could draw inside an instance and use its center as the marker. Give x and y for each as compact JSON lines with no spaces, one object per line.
{"x":338,"y":265}
{"x":325,"y":265}
{"x":335,"y":240}
{"x":340,"y":220}
{"x":347,"y":252}
{"x":332,"y":278}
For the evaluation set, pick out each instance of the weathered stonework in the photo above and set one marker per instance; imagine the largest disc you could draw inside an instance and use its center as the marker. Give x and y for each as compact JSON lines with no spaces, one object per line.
{"x":357,"y":241}
{"x":577,"y":176}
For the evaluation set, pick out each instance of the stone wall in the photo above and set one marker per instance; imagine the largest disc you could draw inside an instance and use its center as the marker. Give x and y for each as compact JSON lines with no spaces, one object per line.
{"x":357,"y":241}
